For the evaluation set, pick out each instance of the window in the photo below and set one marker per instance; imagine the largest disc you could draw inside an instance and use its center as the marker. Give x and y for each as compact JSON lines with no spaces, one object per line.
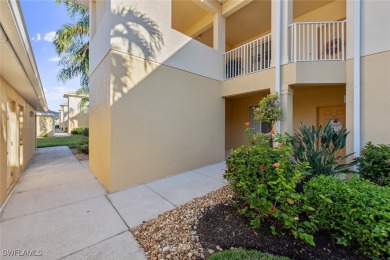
{"x":258,"y":126}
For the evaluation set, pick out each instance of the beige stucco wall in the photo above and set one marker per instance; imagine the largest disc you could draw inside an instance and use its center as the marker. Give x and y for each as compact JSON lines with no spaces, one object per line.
{"x":100,"y":122}
{"x":375,"y":93}
{"x":333,"y":11}
{"x":325,"y":72}
{"x":151,"y":121}
{"x":307,"y":99}
{"x":176,"y":49}
{"x":111,"y":29}
{"x":77,"y":116}
{"x":164,"y":121}
{"x":236,"y":115}
{"x":375,"y":33}
{"x":262,"y":80}
{"x":65,"y":117}
{"x":61,"y":118}
{"x":25,"y":152}
{"x":45,"y":125}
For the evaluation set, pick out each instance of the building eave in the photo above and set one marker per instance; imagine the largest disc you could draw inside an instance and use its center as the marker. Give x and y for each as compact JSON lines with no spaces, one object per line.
{"x":18,"y":54}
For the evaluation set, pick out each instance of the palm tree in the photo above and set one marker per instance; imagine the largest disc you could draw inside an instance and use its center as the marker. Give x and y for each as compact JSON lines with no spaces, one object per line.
{"x":72,"y":45}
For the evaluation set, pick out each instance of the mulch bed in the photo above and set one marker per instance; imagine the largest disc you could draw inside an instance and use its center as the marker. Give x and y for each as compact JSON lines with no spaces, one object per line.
{"x":222,"y":225}
{"x":80,"y":156}
{"x":210,"y":224}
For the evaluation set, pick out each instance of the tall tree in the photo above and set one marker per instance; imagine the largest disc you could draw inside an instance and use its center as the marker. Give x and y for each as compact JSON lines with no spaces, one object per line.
{"x":72,"y":45}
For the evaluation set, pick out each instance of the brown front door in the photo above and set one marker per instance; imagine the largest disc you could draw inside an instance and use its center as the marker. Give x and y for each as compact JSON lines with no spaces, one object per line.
{"x":334,"y":113}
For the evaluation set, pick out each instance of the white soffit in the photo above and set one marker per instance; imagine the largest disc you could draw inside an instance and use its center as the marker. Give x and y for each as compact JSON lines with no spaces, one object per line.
{"x":17,"y":62}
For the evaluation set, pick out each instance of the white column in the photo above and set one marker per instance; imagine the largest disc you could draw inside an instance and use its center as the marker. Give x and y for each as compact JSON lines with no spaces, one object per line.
{"x":287,"y":19}
{"x":286,"y":100}
{"x":92,"y":19}
{"x":356,"y":79}
{"x":219,"y":34}
{"x":281,"y":18}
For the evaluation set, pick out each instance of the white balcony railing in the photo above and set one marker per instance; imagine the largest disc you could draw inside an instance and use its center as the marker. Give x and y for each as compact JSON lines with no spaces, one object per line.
{"x":251,"y":57}
{"x":317,"y":41}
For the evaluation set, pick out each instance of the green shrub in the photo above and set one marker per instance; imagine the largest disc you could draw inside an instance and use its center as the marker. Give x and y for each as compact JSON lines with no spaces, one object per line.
{"x":264,"y":180}
{"x":86,"y":131}
{"x":77,"y":131}
{"x":269,"y":110}
{"x":241,"y":254}
{"x":374,"y":163}
{"x":83,"y":146}
{"x":356,"y":212}
{"x":44,"y":134}
{"x":321,"y":149}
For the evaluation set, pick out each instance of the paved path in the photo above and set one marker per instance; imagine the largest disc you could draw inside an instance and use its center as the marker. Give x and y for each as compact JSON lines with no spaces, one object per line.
{"x":60,"y":208}
{"x":59,"y":133}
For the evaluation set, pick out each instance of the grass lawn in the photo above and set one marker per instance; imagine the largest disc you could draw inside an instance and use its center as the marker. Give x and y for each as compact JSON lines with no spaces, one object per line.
{"x":241,"y":254}
{"x":70,"y":141}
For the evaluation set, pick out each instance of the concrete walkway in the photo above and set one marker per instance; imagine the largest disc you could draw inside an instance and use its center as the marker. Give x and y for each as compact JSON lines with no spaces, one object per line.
{"x":59,"y":133}
{"x":60,"y":208}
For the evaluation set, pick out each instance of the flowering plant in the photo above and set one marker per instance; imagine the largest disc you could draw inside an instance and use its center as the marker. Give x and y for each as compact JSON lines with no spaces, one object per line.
{"x":264,"y":180}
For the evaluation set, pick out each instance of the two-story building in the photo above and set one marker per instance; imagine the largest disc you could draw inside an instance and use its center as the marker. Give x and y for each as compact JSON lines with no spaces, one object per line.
{"x":172,"y":82}
{"x":75,"y":111}
{"x":21,"y":96}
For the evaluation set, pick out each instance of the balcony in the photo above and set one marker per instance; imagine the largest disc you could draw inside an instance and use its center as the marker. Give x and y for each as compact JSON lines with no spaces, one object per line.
{"x":317,"y":41}
{"x":308,"y":41}
{"x":249,"y":58}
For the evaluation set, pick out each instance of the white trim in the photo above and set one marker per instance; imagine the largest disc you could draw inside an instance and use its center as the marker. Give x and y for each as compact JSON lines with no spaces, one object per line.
{"x":16,"y":13}
{"x":278,"y":54}
{"x":356,"y":79}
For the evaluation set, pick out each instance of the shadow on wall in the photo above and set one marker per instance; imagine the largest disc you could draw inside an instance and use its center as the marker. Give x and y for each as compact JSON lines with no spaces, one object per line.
{"x":45,"y":129}
{"x":142,"y":37}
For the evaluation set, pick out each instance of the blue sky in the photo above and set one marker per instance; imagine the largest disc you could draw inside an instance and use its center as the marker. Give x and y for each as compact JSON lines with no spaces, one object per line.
{"x":43,"y":18}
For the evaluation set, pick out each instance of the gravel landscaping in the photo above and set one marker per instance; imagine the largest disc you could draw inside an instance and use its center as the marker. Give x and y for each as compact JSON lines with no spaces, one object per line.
{"x":80,"y":156}
{"x":173,"y":235}
{"x":210,"y":224}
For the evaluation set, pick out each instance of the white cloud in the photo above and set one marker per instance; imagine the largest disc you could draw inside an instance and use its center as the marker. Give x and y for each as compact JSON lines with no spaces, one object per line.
{"x":55,"y":59}
{"x":49,"y":36}
{"x":57,"y":93}
{"x":37,"y":37}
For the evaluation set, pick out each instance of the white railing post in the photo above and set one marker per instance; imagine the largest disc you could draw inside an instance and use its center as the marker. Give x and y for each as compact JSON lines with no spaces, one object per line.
{"x":342,"y":41}
{"x":248,"y":58}
{"x":314,"y":41}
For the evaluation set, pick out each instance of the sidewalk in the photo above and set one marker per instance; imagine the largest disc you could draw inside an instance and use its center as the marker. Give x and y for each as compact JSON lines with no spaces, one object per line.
{"x":59,"y":133}
{"x":60,"y":208}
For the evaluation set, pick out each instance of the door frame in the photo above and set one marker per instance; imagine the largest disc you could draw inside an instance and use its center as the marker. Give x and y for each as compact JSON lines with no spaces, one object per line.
{"x":318,"y":112}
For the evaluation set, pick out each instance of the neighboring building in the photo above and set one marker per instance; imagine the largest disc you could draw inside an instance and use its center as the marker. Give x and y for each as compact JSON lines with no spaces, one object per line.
{"x":46,"y":123}
{"x":21,"y":95}
{"x":173,"y":82}
{"x":64,"y":117}
{"x":77,"y":113}
{"x":61,"y":118}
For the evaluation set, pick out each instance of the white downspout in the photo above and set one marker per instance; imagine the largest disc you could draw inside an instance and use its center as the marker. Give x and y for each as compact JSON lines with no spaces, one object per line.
{"x":356,"y":79}
{"x":278,"y":54}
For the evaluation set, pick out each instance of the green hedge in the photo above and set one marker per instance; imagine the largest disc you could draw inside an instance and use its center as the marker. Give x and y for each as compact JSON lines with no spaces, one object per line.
{"x":83,"y":146}
{"x":356,"y":212}
{"x":374,"y":163}
{"x":77,"y":131}
{"x":80,"y":131}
